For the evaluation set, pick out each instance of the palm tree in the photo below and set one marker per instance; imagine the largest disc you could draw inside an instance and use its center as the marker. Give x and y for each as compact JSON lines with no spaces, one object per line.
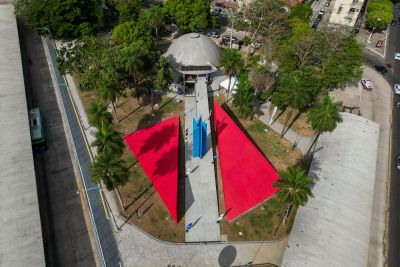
{"x":244,"y":97}
{"x":109,"y":87}
{"x":98,"y":114}
{"x":293,"y":187}
{"x":232,"y":63}
{"x":155,"y":17}
{"x":131,"y":58}
{"x":110,"y":169}
{"x":108,"y":139}
{"x":324,"y":116}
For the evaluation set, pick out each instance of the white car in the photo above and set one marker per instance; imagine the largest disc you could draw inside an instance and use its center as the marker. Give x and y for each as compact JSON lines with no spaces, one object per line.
{"x":397,"y":56}
{"x":322,"y":11}
{"x":367,"y":84}
{"x":396,"y":88}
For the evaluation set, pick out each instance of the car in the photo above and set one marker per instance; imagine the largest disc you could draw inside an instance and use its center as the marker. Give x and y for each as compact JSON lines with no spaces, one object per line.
{"x":367,"y":84}
{"x":314,"y":26}
{"x":393,"y":23}
{"x":213,"y":34}
{"x":327,"y":3}
{"x":398,"y":162}
{"x":381,"y":69}
{"x":227,"y":38}
{"x":319,"y":17}
{"x":321,"y":12}
{"x":397,"y":56}
{"x":352,"y":10}
{"x":396,"y":88}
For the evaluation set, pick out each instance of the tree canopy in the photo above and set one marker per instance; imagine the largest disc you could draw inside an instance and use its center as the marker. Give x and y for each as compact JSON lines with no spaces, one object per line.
{"x":62,"y":18}
{"x":244,"y":98}
{"x":324,"y":116}
{"x":128,"y":10}
{"x":188,"y":14}
{"x":379,"y":14}
{"x":133,"y":32}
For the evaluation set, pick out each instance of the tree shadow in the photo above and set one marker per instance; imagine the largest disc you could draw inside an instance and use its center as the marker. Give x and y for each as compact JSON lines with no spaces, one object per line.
{"x":138,"y":197}
{"x":181,"y":176}
{"x":130,"y":113}
{"x":285,"y":130}
{"x":158,"y":138}
{"x":227,"y":256}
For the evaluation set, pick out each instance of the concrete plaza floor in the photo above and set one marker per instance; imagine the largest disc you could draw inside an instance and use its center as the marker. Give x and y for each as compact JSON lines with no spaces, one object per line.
{"x":201,"y":203}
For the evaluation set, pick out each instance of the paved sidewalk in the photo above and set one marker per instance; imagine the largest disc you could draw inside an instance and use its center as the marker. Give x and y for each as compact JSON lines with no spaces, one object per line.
{"x":301,"y":142}
{"x":201,"y":202}
{"x":377,"y":106}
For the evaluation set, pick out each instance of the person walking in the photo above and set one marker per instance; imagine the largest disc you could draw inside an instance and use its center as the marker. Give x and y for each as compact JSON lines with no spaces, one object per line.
{"x":220,"y":217}
{"x":214,"y":158}
{"x":188,"y":227}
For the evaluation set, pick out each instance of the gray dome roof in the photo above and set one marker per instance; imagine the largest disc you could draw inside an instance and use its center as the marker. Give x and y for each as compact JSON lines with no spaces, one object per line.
{"x":193,"y":49}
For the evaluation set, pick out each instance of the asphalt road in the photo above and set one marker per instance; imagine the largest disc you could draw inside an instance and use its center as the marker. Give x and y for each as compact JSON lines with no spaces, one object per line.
{"x":65,"y":233}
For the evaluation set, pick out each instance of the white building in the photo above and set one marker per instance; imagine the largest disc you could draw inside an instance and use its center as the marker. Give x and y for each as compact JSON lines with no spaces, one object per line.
{"x":345,"y":12}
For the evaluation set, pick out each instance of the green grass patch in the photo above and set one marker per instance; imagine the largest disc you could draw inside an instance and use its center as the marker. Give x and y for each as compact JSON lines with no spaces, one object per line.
{"x":257,"y":126}
{"x":169,"y":105}
{"x":261,"y":220}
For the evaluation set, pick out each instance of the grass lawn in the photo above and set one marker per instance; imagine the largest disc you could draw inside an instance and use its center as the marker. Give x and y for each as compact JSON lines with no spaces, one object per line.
{"x":300,"y":125}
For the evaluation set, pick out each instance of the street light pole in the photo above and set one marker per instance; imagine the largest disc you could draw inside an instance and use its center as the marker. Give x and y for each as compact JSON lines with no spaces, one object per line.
{"x":373,"y":29}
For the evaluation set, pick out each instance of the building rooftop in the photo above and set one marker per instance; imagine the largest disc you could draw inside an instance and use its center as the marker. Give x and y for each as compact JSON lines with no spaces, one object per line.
{"x":333,"y":228}
{"x":194,"y":52}
{"x":21,"y":241}
{"x":345,"y":12}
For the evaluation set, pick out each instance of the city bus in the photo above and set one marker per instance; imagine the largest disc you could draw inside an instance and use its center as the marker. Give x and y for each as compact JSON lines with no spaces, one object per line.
{"x":36,"y":124}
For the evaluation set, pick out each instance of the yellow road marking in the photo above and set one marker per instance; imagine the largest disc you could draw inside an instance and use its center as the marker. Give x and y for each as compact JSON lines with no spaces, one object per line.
{"x":88,"y":149}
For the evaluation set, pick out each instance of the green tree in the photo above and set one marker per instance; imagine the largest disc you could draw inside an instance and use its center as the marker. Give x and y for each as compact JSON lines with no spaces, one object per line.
{"x":232,"y":63}
{"x":154,"y":17}
{"x":379,"y":14}
{"x":63,"y":18}
{"x":98,"y":114}
{"x":164,"y":74}
{"x":302,"y":11}
{"x":129,"y":10}
{"x":293,"y":187}
{"x":188,"y":14}
{"x":110,"y":169}
{"x":244,"y":98}
{"x":108,"y":140}
{"x":132,"y":32}
{"x":109,"y":87}
{"x":132,"y":61}
{"x":324,"y":116}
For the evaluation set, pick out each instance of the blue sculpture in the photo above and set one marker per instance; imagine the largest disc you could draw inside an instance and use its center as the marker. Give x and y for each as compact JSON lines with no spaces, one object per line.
{"x":199,"y":138}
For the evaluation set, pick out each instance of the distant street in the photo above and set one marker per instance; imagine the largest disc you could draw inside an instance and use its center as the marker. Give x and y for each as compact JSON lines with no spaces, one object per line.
{"x":65,"y":234}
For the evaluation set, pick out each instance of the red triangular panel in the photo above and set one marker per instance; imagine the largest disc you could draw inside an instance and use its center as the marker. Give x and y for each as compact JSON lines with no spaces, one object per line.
{"x":156,"y":148}
{"x":247,"y":176}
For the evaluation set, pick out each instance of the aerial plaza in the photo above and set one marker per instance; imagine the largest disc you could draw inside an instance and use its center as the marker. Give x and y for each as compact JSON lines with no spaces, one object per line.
{"x":247,"y":176}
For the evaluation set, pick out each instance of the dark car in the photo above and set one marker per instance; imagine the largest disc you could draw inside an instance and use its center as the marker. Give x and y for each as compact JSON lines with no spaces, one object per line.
{"x":319,"y":17}
{"x":398,"y":162}
{"x":314,"y":25}
{"x":380,"y":69}
{"x":393,"y":23}
{"x":227,"y":38}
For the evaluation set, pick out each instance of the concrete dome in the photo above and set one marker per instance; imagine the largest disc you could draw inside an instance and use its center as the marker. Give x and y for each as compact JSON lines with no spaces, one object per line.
{"x":193,"y":49}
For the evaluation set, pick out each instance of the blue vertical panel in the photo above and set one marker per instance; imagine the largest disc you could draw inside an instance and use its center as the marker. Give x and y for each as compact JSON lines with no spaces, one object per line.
{"x":196,"y":138}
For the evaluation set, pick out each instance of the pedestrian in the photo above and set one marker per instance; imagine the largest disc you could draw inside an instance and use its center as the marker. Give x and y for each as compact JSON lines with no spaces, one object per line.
{"x":214,"y":158}
{"x":188,"y":227}
{"x":220,"y":217}
{"x":186,"y":132}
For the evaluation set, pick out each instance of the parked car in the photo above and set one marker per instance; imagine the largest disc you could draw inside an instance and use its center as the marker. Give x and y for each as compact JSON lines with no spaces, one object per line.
{"x":397,"y":56}
{"x":396,"y":88}
{"x":327,"y":3}
{"x":314,"y":26}
{"x":381,"y":69}
{"x":213,"y":34}
{"x":319,"y":17}
{"x":367,"y":84}
{"x":227,"y":38}
{"x":398,"y":162}
{"x":393,"y":23}
{"x":322,"y":12}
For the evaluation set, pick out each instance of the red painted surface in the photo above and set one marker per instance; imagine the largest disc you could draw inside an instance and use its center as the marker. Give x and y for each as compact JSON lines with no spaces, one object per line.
{"x":247,"y":176}
{"x":156,"y":149}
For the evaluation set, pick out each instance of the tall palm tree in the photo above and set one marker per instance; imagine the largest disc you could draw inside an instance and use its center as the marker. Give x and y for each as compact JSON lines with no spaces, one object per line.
{"x":232,"y":63}
{"x":324,"y":116}
{"x":109,"y":87}
{"x":155,"y":17}
{"x":98,"y":114}
{"x":108,"y":139}
{"x":131,"y":58}
{"x":110,"y":169}
{"x":244,"y":97}
{"x":293,"y":187}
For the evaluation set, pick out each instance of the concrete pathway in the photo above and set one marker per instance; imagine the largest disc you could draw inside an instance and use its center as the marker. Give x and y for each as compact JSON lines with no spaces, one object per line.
{"x":377,"y":106}
{"x":201,"y":203}
{"x":301,"y":142}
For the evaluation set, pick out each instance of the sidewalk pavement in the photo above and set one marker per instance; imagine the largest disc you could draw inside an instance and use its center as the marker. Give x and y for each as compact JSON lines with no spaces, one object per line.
{"x":303,"y":143}
{"x":377,"y":106}
{"x":201,"y":203}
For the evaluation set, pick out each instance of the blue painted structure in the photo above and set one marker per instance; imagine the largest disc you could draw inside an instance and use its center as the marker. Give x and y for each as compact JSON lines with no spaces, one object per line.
{"x":199,"y":137}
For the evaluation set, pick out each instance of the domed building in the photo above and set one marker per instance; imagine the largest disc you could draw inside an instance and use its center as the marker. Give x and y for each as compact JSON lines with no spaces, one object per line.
{"x":193,"y":55}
